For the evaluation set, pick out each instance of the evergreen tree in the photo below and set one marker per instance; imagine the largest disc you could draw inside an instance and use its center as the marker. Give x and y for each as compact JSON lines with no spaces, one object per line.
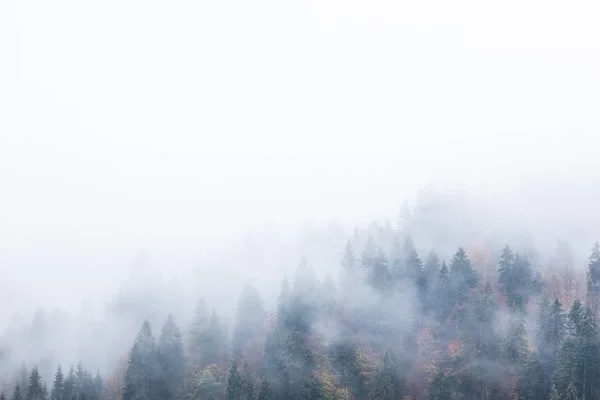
{"x":463,"y":275}
{"x":171,"y":360}
{"x":58,"y":386}
{"x":2,"y":396}
{"x":593,"y":274}
{"x":70,"y":389}
{"x":379,"y":275}
{"x":141,"y":377}
{"x":234,"y":382}
{"x":575,"y":316}
{"x":444,"y":301}
{"x":17,"y":393}
{"x":35,"y":391}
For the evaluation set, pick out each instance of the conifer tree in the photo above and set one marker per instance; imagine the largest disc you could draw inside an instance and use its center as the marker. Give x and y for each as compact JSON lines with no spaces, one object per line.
{"x":379,"y":275}
{"x":58,"y":386}
{"x":463,"y":275}
{"x":17,"y":393}
{"x":171,"y":360}
{"x":141,"y":377}
{"x":234,"y":382}
{"x":444,"y":301}
{"x":2,"y":396}
{"x":593,"y":274}
{"x":35,"y":391}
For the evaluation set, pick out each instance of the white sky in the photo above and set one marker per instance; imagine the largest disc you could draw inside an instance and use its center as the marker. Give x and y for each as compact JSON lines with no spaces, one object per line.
{"x":134,"y":122}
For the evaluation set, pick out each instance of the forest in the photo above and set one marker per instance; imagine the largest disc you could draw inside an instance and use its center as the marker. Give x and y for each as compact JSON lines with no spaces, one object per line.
{"x":393,"y":322}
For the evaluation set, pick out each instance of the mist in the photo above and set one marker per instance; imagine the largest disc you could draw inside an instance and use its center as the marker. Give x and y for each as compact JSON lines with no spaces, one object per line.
{"x":154,"y":155}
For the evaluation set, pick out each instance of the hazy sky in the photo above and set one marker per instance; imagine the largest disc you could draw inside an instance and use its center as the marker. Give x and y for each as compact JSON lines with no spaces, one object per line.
{"x":129,"y":122}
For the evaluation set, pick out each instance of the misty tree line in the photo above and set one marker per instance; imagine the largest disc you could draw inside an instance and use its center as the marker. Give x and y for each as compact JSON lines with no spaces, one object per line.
{"x":415,"y":329}
{"x":392,"y":325}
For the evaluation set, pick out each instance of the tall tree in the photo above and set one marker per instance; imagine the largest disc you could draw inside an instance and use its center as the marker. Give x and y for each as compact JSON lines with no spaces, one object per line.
{"x":141,"y":377}
{"x":35,"y":391}
{"x":58,"y":386}
{"x":171,"y":360}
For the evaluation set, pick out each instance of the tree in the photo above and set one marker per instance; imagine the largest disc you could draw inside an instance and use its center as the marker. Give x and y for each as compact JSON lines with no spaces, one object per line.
{"x":463,"y":275}
{"x":234,"y":382}
{"x":16,"y":393}
{"x":444,"y":301}
{"x":35,"y":391}
{"x":593,"y":279}
{"x":141,"y":377}
{"x":58,"y":386}
{"x":171,"y":360}
{"x":385,"y":385}
{"x":379,"y":276}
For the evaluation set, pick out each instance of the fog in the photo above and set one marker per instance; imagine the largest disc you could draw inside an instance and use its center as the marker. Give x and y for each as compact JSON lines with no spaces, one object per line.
{"x":204,"y":145}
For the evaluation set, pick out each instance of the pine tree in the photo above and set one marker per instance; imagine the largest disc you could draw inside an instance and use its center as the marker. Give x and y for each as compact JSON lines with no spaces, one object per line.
{"x":379,"y":275}
{"x":593,"y":274}
{"x":35,"y":390}
{"x":2,"y":396}
{"x":463,"y":275}
{"x":70,"y":389}
{"x":505,"y":270}
{"x":234,"y":382}
{"x":444,"y":301}
{"x":575,"y":316}
{"x":141,"y":377}
{"x":171,"y":360}
{"x":17,"y":393}
{"x":58,"y":387}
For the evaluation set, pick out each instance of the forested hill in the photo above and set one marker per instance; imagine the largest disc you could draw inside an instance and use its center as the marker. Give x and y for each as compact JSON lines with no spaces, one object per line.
{"x":393,"y":325}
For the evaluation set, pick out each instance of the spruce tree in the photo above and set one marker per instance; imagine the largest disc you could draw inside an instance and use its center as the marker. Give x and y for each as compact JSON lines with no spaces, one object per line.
{"x":593,"y":273}
{"x":463,"y":275}
{"x":171,"y":360}
{"x":234,"y":382}
{"x":17,"y":393}
{"x":2,"y":396}
{"x":141,"y":376}
{"x":58,"y":386}
{"x":35,"y":391}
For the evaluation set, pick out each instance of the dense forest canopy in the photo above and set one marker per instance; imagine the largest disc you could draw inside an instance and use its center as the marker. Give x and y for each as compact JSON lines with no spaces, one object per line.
{"x":390,"y":311}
